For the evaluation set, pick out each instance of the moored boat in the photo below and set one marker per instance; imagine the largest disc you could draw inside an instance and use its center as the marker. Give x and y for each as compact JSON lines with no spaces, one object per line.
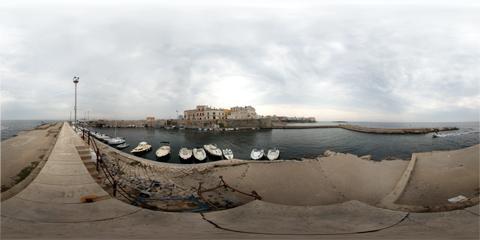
{"x":115,"y":141}
{"x":213,"y":151}
{"x":199,"y":154}
{"x":227,"y":153}
{"x":102,"y":137}
{"x":122,"y":146}
{"x":185,"y":154}
{"x":257,"y":154}
{"x":142,"y":147}
{"x":273,"y":154}
{"x":163,"y":152}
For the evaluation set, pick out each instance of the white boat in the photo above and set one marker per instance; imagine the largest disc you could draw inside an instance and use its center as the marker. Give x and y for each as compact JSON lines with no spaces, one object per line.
{"x":103,"y":137}
{"x":115,"y":141}
{"x":122,"y":146}
{"x":141,"y":148}
{"x":257,"y":154}
{"x":273,"y":154}
{"x":213,"y":150}
{"x":185,"y":154}
{"x":227,"y":153}
{"x":199,"y":154}
{"x":163,"y":151}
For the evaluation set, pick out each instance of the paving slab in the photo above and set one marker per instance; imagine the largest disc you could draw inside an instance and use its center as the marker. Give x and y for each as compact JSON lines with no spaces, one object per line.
{"x":440,"y":175}
{"x":474,"y":209}
{"x":47,"y":193}
{"x":73,"y":169}
{"x":25,"y":210}
{"x":268,"y":218}
{"x":457,"y":224}
{"x":61,"y":180}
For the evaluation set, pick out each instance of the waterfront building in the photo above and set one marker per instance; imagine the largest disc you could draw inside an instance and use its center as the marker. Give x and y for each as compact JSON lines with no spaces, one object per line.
{"x":150,"y":122}
{"x":204,"y":113}
{"x":247,"y":112}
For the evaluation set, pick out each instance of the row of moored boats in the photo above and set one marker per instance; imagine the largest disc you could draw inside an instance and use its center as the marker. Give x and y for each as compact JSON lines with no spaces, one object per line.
{"x":197,"y":154}
{"x":200,"y":154}
{"x":117,"y":142}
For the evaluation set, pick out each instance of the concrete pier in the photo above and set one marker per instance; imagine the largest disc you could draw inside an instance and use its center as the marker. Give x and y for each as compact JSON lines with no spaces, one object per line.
{"x":362,"y":129}
{"x":52,"y":206}
{"x":395,"y":130}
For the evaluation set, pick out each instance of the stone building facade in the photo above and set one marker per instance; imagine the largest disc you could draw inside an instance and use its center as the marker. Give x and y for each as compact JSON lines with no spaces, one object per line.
{"x":205,"y":113}
{"x":247,"y":112}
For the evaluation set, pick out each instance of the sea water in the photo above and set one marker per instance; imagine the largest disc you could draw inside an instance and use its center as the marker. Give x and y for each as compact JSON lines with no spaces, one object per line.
{"x":307,"y":143}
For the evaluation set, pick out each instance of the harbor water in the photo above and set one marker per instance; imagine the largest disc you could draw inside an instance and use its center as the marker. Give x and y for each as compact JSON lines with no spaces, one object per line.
{"x":9,"y":128}
{"x":306,"y":143}
{"x":293,"y":143}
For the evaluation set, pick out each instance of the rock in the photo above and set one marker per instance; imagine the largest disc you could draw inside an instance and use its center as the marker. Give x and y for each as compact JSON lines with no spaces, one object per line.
{"x":329,"y":153}
{"x":366,"y":157}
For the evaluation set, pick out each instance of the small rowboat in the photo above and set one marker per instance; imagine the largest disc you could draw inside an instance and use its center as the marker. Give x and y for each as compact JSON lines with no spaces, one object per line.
{"x":257,"y":154}
{"x":141,"y":148}
{"x":227,"y":153}
{"x":273,"y":154}
{"x":199,"y":154}
{"x":185,"y":154}
{"x":213,"y":150}
{"x":163,"y":151}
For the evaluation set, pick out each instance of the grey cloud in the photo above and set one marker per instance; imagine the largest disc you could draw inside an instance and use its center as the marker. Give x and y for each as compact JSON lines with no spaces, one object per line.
{"x":153,"y":61}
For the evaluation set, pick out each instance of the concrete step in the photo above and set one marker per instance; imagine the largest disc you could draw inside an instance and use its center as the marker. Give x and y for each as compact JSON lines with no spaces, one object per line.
{"x":82,"y":152}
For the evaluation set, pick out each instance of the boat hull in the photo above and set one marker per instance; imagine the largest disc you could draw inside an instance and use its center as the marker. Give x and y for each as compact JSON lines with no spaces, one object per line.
{"x":122,"y":146}
{"x":141,"y":152}
{"x":186,"y":159}
{"x":214,"y":157}
{"x":257,"y":154}
{"x":164,"y":158}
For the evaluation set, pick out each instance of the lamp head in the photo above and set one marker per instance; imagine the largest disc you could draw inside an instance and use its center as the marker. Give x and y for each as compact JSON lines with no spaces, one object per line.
{"x":76,"y":79}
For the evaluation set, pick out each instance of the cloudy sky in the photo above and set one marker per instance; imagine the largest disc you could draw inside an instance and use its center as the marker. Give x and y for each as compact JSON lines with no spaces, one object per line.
{"x":409,"y":61}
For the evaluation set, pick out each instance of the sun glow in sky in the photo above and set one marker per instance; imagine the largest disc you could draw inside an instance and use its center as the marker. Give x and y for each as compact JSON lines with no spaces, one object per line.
{"x":402,"y":61}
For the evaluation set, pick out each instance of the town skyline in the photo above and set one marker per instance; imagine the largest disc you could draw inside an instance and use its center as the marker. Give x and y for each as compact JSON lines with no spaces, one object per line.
{"x":372,"y":61}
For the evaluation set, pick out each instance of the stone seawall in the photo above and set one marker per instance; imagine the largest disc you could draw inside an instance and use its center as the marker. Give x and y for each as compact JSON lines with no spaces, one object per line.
{"x":395,"y":130}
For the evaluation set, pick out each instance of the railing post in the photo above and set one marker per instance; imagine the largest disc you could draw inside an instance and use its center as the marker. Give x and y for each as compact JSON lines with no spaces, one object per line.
{"x":88,"y":134}
{"x":97,"y":152}
{"x":114,"y":187}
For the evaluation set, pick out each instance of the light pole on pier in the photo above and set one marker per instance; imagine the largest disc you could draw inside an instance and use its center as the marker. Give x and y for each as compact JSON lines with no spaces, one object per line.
{"x":75,"y":80}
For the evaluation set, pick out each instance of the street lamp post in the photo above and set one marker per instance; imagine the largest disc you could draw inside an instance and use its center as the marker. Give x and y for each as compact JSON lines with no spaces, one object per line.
{"x":75,"y":80}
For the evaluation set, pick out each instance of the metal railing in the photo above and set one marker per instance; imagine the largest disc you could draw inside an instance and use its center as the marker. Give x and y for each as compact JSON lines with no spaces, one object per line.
{"x":100,"y":165}
{"x":112,"y":173}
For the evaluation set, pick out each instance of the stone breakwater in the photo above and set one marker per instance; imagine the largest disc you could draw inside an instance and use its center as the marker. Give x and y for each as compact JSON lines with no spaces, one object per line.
{"x":395,"y":130}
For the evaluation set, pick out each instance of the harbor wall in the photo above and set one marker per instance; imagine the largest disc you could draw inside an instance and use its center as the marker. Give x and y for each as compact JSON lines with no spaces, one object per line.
{"x":395,"y":130}
{"x":161,"y":123}
{"x":264,"y":123}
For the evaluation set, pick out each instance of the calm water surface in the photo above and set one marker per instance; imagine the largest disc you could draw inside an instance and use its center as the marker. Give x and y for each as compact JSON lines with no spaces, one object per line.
{"x":10,"y":128}
{"x":298,"y":143}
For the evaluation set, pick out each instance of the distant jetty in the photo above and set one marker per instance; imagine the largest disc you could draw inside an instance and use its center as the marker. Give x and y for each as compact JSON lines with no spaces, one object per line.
{"x":357,"y":128}
{"x":395,"y":130}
